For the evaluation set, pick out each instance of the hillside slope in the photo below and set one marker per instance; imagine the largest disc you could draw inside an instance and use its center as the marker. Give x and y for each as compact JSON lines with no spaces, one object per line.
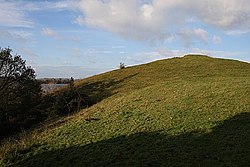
{"x":189,"y":111}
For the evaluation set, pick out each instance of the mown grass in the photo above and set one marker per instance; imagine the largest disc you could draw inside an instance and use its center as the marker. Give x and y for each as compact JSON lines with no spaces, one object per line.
{"x":190,"y":111}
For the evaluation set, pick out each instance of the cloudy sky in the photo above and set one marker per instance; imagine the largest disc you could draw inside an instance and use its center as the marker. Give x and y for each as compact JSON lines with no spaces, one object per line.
{"x":80,"y":38}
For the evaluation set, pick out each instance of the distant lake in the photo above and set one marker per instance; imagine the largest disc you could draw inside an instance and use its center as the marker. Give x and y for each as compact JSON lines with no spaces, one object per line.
{"x":51,"y":87}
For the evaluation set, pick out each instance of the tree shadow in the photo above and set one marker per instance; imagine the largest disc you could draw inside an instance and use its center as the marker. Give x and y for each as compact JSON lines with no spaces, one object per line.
{"x":227,"y":145}
{"x":99,"y":90}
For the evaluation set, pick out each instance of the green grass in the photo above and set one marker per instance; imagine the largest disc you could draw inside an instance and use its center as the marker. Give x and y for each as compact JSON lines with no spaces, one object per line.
{"x":190,"y":111}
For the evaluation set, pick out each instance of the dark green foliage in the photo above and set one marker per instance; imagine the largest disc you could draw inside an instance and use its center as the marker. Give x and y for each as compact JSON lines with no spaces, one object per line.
{"x":19,"y":91}
{"x":54,"y":80}
{"x":70,"y":100}
{"x":122,"y":65}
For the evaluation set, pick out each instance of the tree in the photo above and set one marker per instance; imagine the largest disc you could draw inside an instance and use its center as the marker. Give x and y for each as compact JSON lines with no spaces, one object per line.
{"x":70,"y":100}
{"x":19,"y":90}
{"x":122,"y":65}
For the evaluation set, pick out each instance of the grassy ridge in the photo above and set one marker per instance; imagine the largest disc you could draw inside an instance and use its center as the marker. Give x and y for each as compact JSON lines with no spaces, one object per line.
{"x":190,"y":111}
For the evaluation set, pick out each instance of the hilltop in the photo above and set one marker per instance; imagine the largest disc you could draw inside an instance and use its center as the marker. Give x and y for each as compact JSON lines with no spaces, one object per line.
{"x":188,"y":111}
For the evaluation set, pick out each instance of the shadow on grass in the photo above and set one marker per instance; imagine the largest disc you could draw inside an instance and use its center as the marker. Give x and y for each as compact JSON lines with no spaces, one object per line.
{"x":99,"y":90}
{"x":227,"y":145}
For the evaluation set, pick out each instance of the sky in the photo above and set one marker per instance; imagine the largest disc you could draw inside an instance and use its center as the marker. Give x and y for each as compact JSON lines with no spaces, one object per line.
{"x":80,"y":38}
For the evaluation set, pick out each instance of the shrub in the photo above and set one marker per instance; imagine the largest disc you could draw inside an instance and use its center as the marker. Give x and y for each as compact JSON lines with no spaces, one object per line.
{"x":122,"y":65}
{"x":70,"y":100}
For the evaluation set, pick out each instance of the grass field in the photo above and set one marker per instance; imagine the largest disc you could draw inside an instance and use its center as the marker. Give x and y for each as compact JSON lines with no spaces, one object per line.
{"x":189,"y":111}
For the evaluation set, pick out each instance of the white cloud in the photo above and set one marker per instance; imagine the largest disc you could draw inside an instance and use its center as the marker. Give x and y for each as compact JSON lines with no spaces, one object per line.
{"x":217,"y":39}
{"x":168,"y":53}
{"x":226,"y":14}
{"x":189,"y":35}
{"x":118,"y":47}
{"x":217,"y":53}
{"x":29,"y":52}
{"x":88,"y":55}
{"x":158,"y":54}
{"x":15,"y":13}
{"x":48,"y":31}
{"x":237,"y":32}
{"x":77,"y":53}
{"x":67,"y":71}
{"x":75,"y":38}
{"x":122,"y":17}
{"x":16,"y":36}
{"x":165,"y":53}
{"x":5,"y":34}
{"x":157,"y":19}
{"x":12,"y":16}
{"x":66,"y":63}
{"x":79,"y":20}
{"x":60,"y":5}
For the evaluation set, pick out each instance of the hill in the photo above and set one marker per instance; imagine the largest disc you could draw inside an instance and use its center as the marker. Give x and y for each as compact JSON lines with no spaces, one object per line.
{"x":189,"y":111}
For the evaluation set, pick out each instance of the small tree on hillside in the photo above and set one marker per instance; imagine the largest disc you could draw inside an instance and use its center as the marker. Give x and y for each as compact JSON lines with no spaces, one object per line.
{"x":122,"y":65}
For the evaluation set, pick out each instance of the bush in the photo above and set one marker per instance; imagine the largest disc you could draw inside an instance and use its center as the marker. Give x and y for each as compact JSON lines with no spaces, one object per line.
{"x":122,"y":65}
{"x":70,"y":100}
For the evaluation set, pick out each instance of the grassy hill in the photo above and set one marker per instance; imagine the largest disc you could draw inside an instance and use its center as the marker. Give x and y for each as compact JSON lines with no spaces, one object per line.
{"x":189,"y":111}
